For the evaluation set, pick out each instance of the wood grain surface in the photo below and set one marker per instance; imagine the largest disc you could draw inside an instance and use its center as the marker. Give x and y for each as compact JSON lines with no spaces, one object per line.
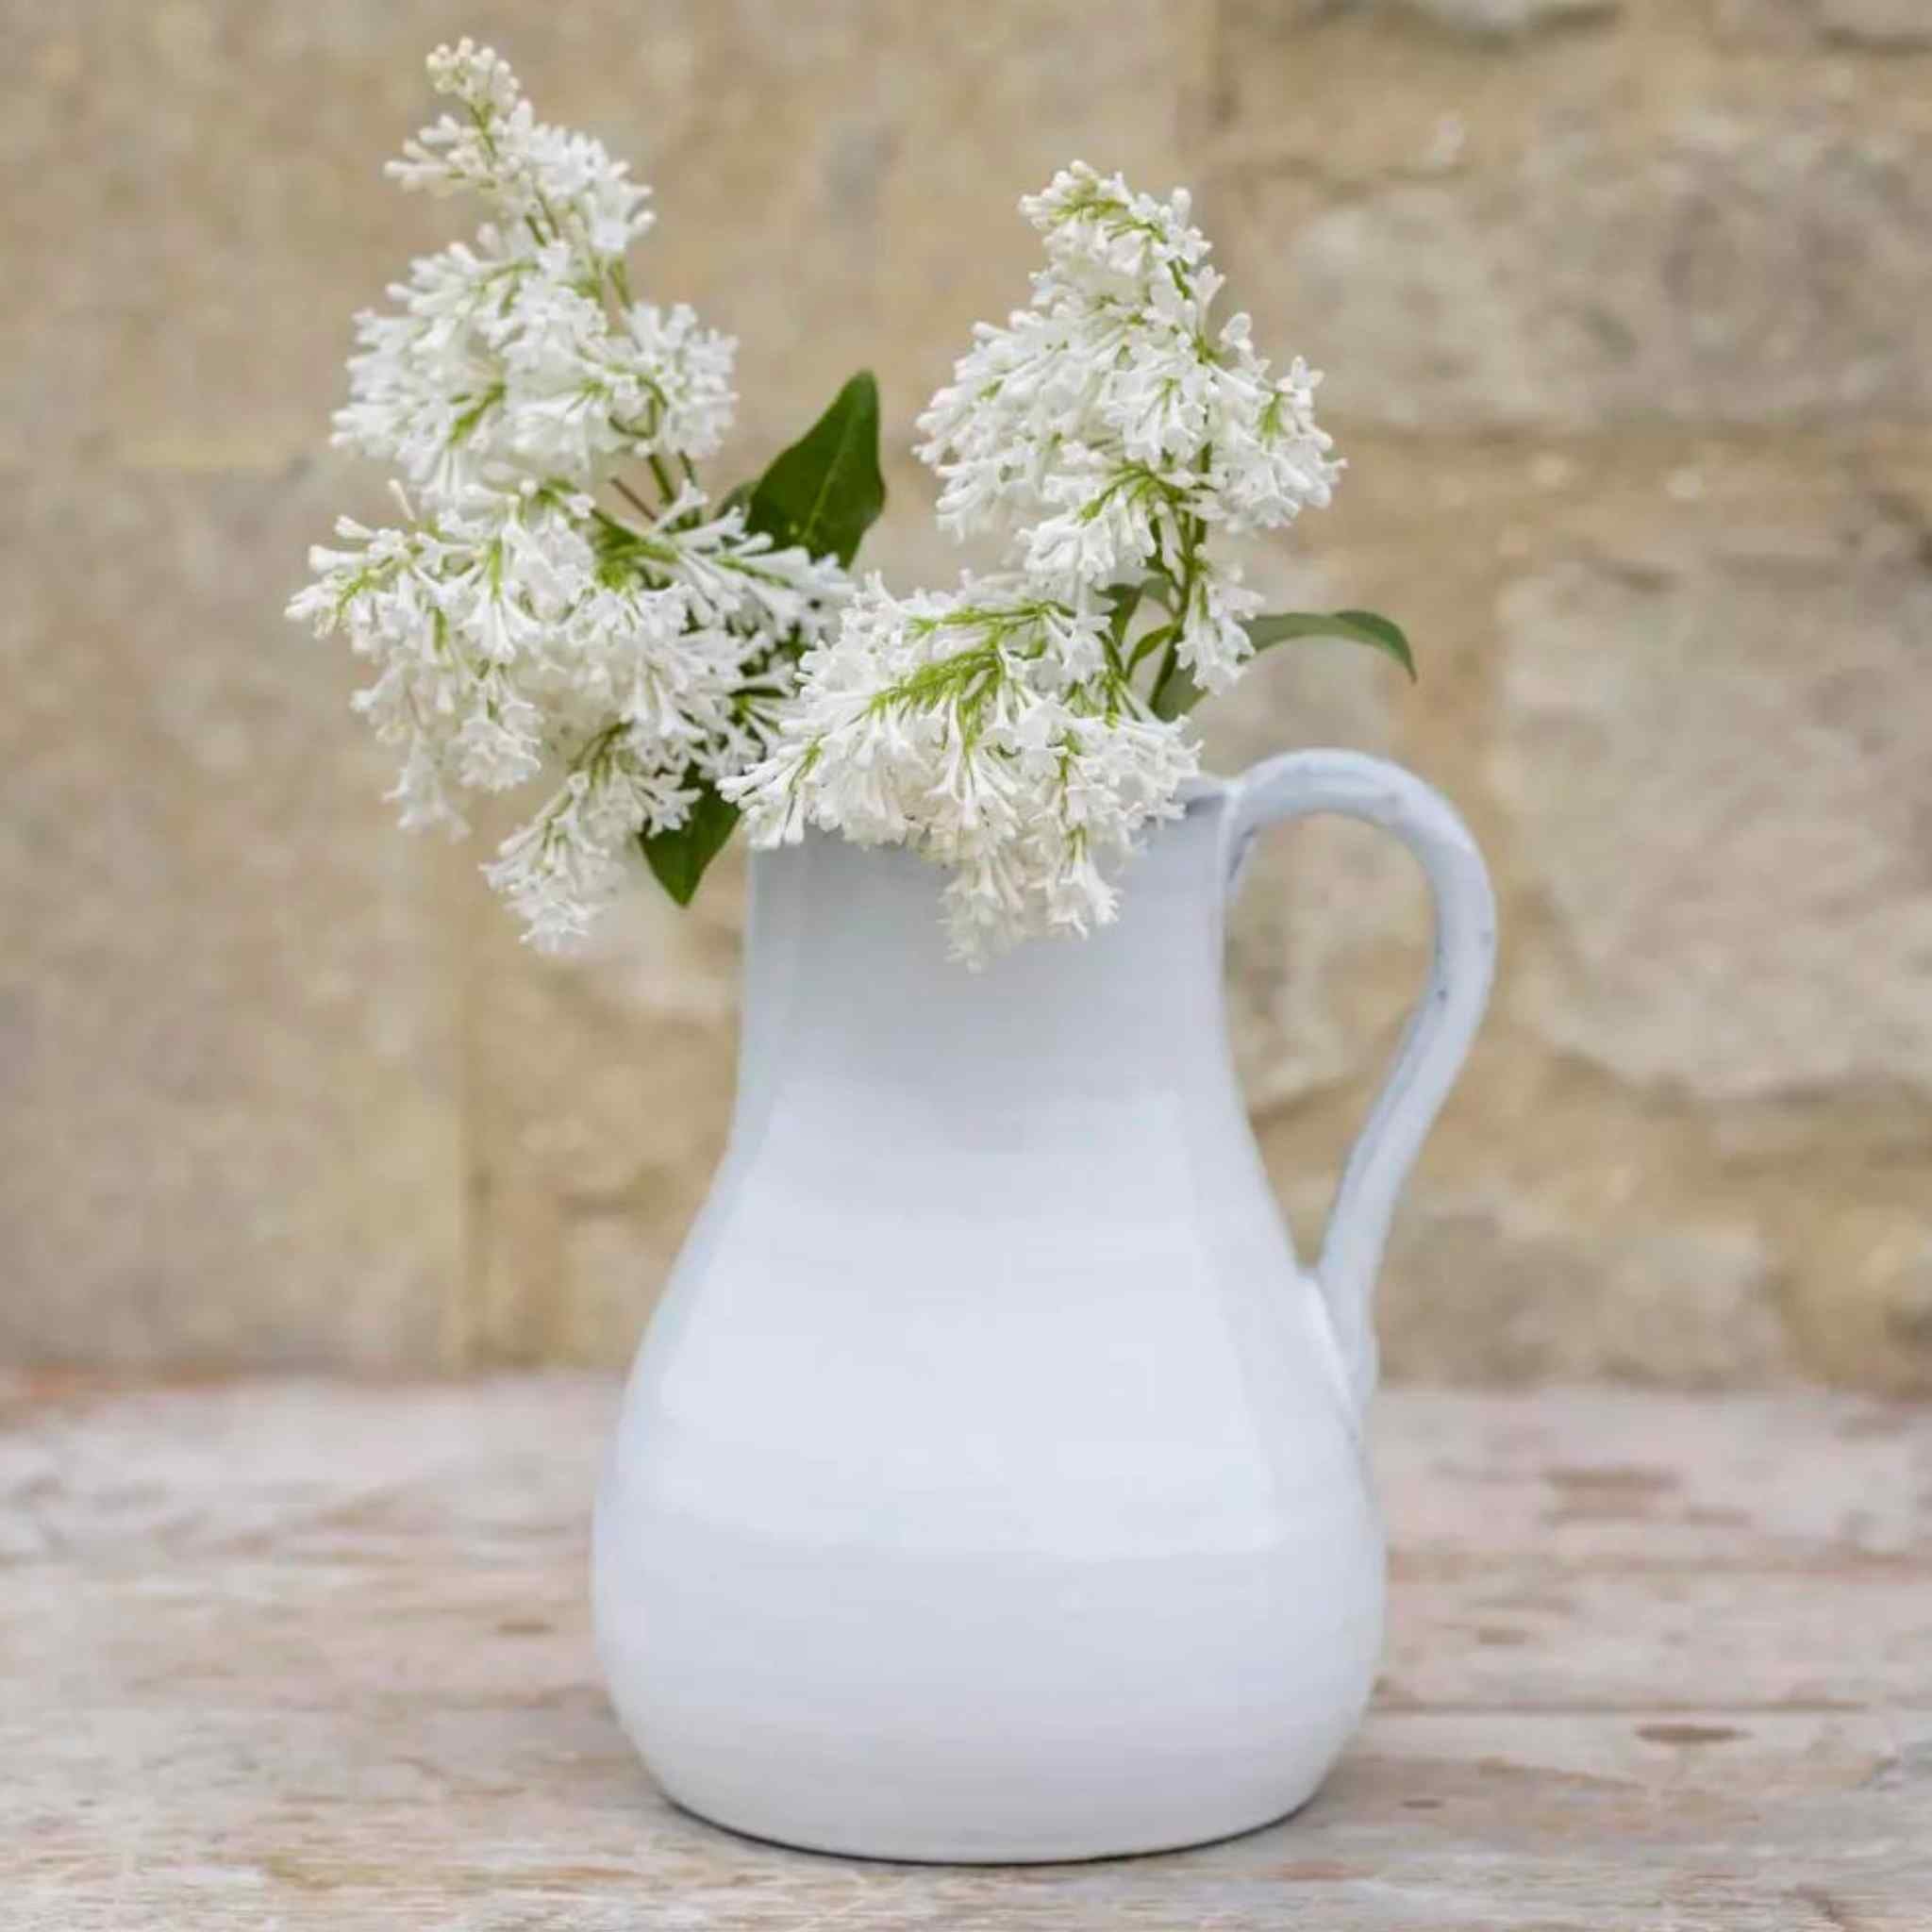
{"x":282,"y":1655}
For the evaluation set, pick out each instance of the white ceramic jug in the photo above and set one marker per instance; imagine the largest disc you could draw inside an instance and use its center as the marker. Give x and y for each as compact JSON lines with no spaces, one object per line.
{"x":988,"y":1484}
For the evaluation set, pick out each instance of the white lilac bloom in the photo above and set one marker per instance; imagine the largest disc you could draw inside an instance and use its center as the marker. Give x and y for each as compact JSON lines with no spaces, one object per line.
{"x":985,"y":729}
{"x":1111,"y":428}
{"x":1024,"y":729}
{"x":534,"y":617}
{"x":512,"y":633}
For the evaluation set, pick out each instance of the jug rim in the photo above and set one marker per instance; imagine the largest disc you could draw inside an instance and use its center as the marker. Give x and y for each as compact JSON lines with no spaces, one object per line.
{"x":1205,"y":788}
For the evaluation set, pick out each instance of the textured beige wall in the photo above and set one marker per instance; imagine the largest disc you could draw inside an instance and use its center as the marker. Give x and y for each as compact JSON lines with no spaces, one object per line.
{"x":1624,"y":310}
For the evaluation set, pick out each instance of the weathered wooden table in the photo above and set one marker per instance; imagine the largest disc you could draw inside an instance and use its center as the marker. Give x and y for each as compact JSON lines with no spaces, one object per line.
{"x":288,"y":1654}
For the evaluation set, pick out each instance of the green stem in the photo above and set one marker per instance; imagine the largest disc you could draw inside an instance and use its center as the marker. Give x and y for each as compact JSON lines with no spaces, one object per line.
{"x":631,"y":497}
{"x":1169,"y":665}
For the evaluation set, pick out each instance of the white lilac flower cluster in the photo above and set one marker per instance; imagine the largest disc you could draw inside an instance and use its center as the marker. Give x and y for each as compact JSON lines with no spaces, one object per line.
{"x":1022,"y":729}
{"x":984,"y":728}
{"x":533,"y":614}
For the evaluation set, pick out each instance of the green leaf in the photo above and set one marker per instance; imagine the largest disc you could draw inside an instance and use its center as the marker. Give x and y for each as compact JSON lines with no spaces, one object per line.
{"x":679,"y":859}
{"x":1359,"y":626}
{"x":825,"y":491}
{"x":1122,"y":600}
{"x":1177,"y":694}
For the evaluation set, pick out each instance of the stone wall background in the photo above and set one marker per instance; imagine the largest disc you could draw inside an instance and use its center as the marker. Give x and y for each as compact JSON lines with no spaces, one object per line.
{"x":1624,"y":308}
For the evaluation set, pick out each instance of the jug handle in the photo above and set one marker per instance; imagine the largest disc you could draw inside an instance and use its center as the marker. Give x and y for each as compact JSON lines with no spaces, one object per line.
{"x":1300,"y":784}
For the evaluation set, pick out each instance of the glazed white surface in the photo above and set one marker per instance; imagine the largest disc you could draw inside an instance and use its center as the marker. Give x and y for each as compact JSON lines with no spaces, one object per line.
{"x":988,"y":1484}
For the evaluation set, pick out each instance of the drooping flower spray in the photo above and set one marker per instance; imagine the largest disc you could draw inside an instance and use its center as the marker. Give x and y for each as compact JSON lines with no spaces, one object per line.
{"x":561,"y":599}
{"x":563,"y":602}
{"x":1024,"y":728}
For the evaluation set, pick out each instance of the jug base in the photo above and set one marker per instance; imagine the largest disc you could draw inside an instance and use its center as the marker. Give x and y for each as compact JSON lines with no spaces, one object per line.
{"x":909,"y":1845}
